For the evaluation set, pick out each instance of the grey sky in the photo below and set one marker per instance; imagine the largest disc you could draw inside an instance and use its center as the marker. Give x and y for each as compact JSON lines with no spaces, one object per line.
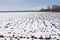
{"x":26,"y":4}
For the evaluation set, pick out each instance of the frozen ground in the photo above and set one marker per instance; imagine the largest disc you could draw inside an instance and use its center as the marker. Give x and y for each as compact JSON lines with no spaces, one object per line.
{"x":30,"y":26}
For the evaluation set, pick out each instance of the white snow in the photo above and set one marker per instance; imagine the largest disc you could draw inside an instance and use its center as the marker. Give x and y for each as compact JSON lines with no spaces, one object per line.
{"x":29,"y":24}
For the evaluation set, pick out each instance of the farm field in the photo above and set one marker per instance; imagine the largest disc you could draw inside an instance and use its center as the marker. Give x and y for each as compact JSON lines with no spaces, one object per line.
{"x":30,"y":26}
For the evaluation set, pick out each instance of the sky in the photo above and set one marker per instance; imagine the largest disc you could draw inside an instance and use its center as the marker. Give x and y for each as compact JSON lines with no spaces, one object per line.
{"x":26,"y":4}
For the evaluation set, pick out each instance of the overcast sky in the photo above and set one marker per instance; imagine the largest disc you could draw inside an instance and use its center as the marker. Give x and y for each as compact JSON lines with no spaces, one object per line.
{"x":26,"y":4}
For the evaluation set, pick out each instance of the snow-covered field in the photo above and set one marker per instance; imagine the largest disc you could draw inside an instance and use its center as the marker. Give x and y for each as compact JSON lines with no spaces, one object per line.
{"x":30,"y":26}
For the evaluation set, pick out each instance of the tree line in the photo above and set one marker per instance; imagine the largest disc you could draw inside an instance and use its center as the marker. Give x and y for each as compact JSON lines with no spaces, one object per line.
{"x":53,"y":8}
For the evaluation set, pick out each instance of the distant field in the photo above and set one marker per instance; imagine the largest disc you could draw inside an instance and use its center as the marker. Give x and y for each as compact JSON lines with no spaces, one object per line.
{"x":30,"y":26}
